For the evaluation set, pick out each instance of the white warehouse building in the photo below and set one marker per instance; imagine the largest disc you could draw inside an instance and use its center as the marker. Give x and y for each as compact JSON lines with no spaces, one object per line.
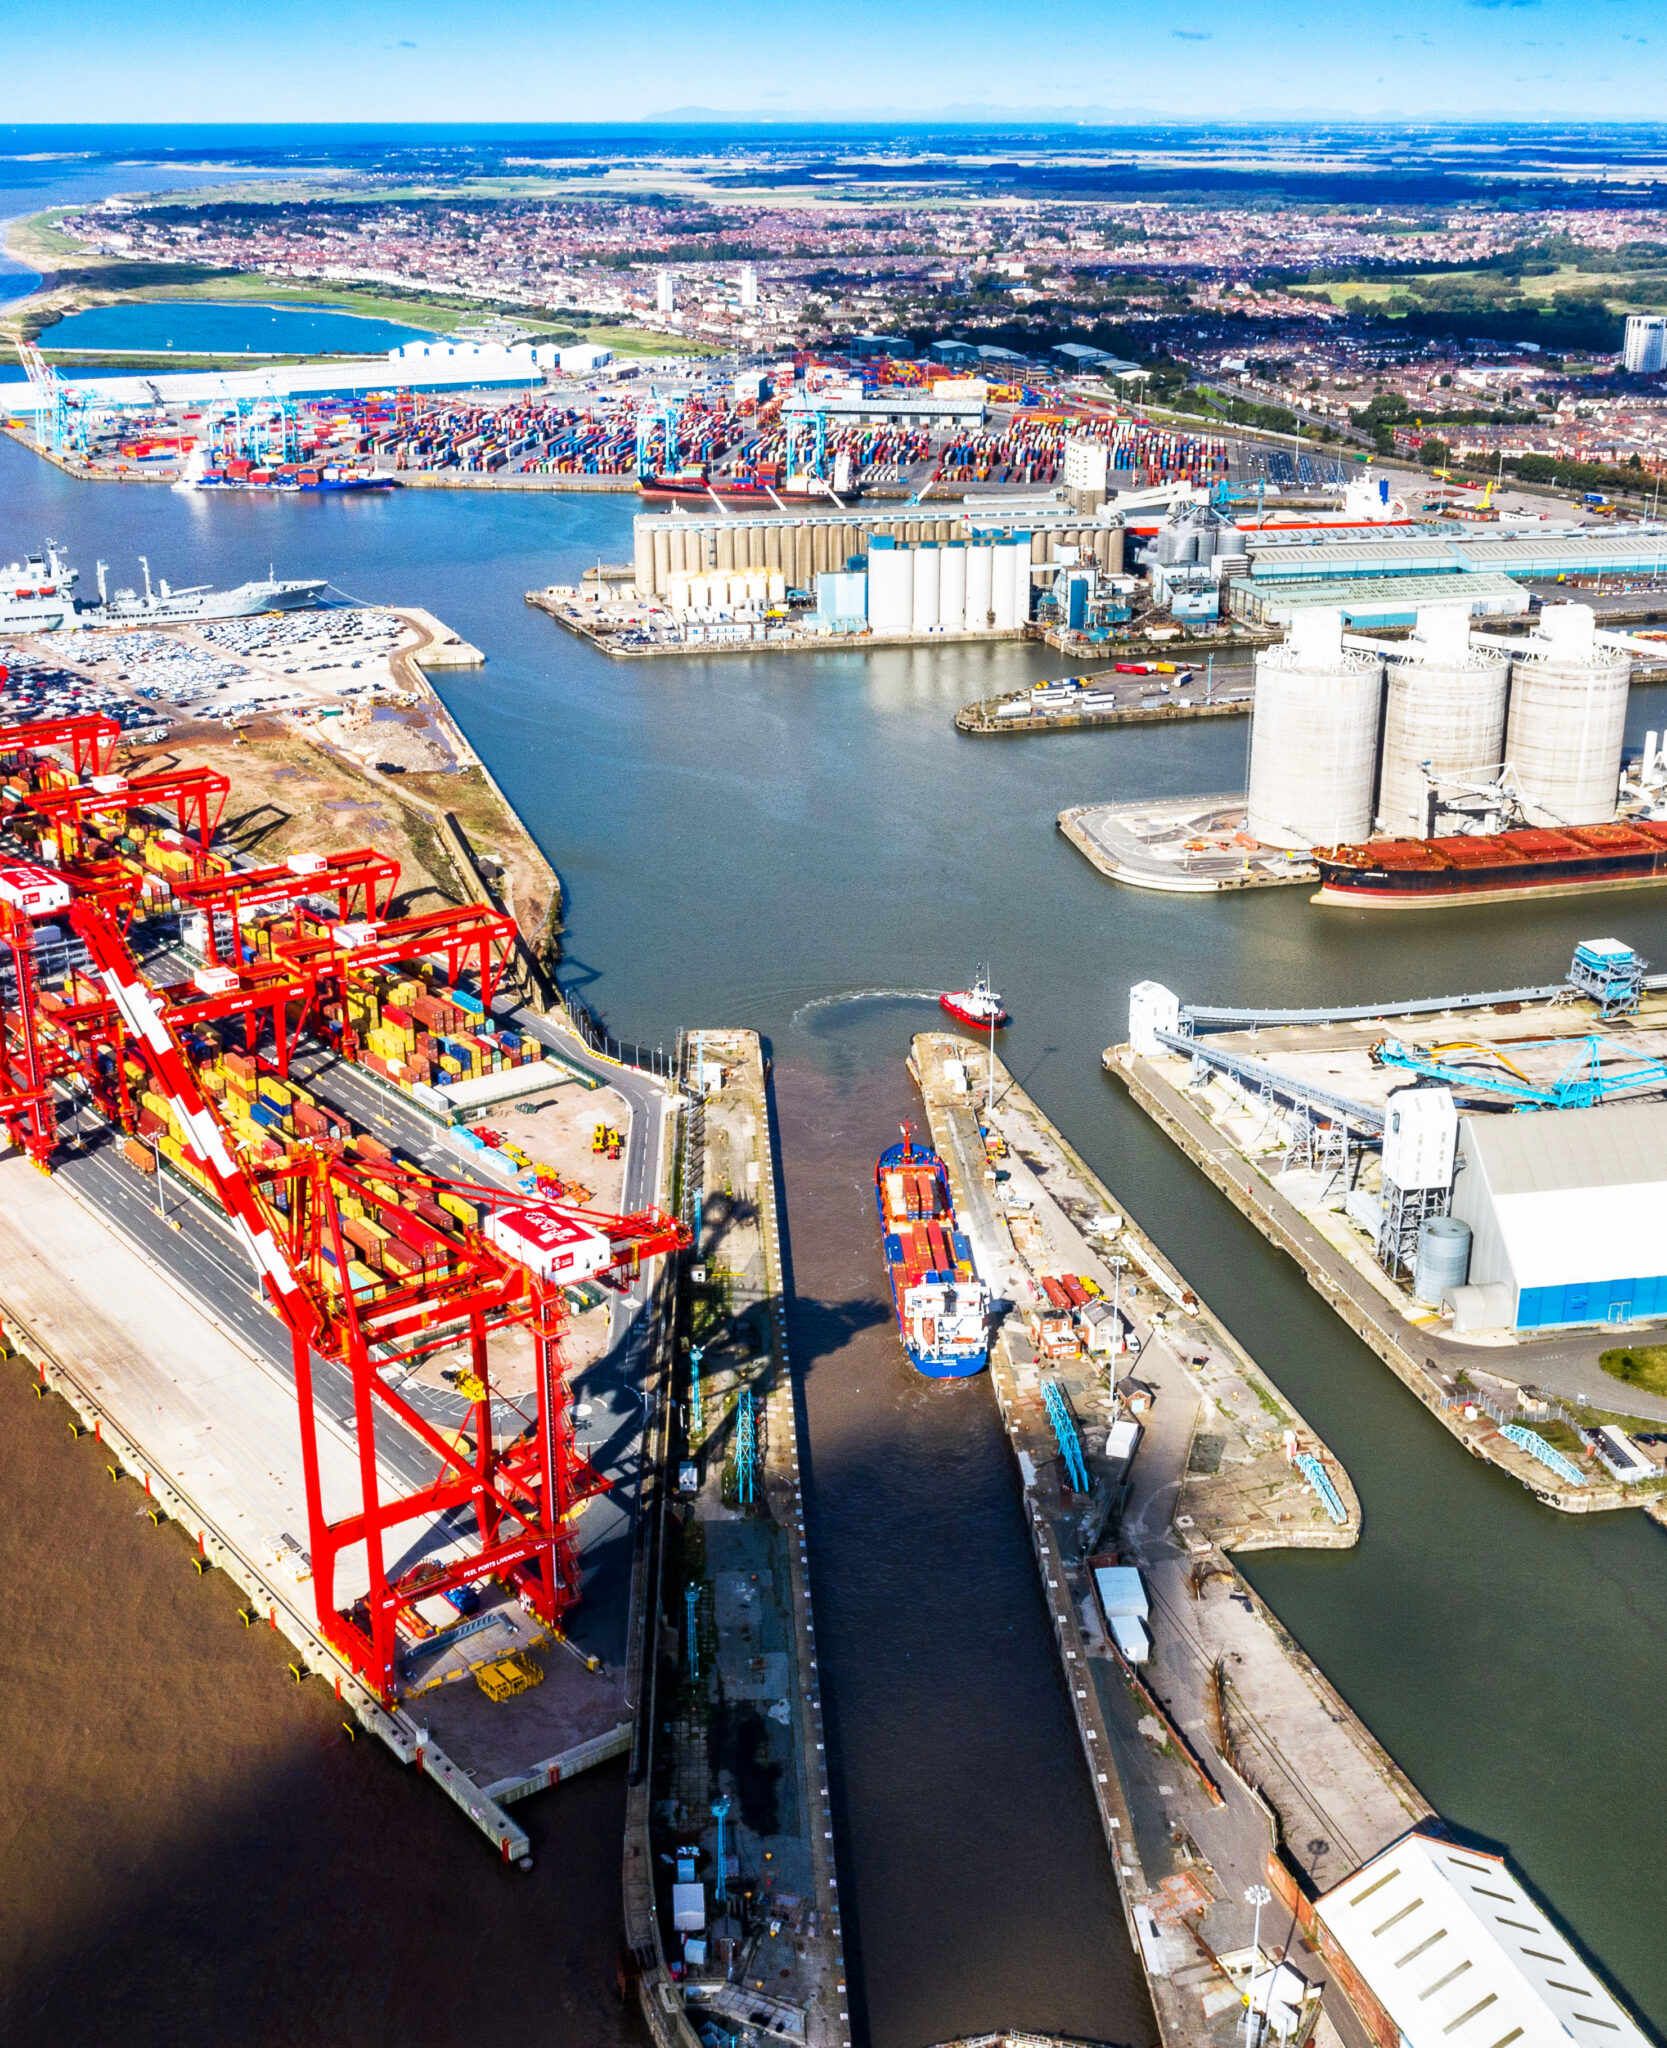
{"x":1567,"y":1210}
{"x":1440,"y":1945}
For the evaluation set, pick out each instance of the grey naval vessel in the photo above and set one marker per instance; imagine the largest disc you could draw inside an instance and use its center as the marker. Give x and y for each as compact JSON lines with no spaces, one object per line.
{"x":38,"y":596}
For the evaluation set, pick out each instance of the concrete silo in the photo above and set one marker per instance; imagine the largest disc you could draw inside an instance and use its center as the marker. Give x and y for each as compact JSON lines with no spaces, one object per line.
{"x":1313,"y":737}
{"x":924,"y":618}
{"x":1443,"y":718}
{"x":1568,"y":719}
{"x":891,"y":587}
{"x":952,"y":587}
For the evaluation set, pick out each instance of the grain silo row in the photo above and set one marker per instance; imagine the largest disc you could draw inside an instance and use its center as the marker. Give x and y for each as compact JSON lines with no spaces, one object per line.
{"x":1353,"y":736}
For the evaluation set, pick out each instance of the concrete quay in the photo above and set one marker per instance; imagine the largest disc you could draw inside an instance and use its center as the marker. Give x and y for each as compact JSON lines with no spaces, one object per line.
{"x":734,"y":1714}
{"x":984,"y":719}
{"x":626,"y":641}
{"x":1227,"y":1760}
{"x":1442,"y":1374}
{"x":1180,"y":846}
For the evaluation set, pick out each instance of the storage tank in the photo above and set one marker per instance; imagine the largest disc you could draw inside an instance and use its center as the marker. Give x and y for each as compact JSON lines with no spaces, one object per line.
{"x":1445,"y":710}
{"x":1010,"y":583}
{"x":952,"y":587}
{"x":1568,"y":719}
{"x":980,"y":588}
{"x":925,"y":615}
{"x":891,"y":588}
{"x":1313,"y":737}
{"x":1443,"y":1259}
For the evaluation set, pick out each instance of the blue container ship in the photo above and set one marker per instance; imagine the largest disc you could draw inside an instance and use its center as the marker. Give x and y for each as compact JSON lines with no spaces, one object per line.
{"x":943,"y":1308}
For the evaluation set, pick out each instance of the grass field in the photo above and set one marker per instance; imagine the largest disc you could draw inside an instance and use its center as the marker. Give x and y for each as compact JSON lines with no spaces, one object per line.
{"x":1643,"y":1366}
{"x":1624,"y":291}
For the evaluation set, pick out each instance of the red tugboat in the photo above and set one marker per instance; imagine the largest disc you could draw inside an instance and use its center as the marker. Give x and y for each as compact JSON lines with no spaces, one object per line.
{"x":979,"y":1006}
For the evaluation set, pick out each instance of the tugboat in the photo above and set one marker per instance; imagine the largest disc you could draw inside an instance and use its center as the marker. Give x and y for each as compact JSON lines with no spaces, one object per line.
{"x":980,"y":1006}
{"x":943,"y":1308}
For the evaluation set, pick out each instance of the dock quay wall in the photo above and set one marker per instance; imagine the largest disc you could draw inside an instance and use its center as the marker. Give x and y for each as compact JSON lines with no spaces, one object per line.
{"x":661,"y":1997}
{"x":271,"y":1600}
{"x":1366,"y":1315}
{"x":1064,"y":1581}
{"x":981,"y":719}
{"x":792,"y":643}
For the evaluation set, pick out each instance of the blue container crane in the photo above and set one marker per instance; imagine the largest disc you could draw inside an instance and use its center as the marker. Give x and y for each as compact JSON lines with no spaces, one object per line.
{"x":1585,"y":1082}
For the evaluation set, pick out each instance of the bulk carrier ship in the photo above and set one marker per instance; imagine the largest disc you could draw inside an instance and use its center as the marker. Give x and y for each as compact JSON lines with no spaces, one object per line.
{"x":943,"y":1308}
{"x":1496,"y":867}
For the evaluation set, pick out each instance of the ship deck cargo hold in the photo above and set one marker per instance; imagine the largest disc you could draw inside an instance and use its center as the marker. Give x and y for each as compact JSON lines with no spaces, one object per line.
{"x":1410,"y":874}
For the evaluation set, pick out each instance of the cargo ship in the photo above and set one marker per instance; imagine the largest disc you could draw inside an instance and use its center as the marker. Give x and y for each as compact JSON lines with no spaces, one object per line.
{"x":943,"y":1308}
{"x":200,"y":474}
{"x":1496,"y":867}
{"x":731,"y":490}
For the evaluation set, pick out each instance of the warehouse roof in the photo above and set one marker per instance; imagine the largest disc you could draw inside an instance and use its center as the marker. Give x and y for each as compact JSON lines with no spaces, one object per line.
{"x":1576,"y":1193}
{"x":1376,"y":599}
{"x":1552,"y":1151}
{"x":1460,"y":1956}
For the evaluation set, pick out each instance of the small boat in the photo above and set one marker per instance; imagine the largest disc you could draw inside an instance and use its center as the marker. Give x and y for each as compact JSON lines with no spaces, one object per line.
{"x":980,"y":1006}
{"x":943,"y":1308}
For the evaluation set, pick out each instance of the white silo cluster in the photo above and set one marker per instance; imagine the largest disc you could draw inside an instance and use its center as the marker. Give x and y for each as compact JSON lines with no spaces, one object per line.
{"x":1443,"y":718}
{"x":1568,"y":720}
{"x":1350,"y":734}
{"x":1314,"y":737}
{"x":725,"y":593}
{"x":950,"y":587}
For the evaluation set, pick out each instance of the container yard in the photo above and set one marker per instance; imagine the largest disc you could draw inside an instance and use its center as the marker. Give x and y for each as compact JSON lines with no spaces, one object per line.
{"x":1150,"y":1448}
{"x":1339,"y":1134}
{"x":679,"y":439}
{"x":199,"y":1046}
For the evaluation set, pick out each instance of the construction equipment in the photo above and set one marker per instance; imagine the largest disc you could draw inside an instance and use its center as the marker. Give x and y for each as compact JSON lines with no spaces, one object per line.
{"x":504,"y":1677}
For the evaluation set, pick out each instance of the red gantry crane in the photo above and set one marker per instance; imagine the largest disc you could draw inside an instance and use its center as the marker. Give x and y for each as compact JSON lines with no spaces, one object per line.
{"x":354,"y":880}
{"x":91,"y":738}
{"x":198,"y":796}
{"x":450,"y":1283}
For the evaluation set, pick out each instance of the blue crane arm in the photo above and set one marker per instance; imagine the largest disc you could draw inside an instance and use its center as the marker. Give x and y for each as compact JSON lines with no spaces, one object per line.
{"x":1583,"y":1083}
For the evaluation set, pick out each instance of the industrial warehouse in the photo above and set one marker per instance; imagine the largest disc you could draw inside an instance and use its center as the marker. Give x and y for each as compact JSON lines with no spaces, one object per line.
{"x":1503,"y":1164}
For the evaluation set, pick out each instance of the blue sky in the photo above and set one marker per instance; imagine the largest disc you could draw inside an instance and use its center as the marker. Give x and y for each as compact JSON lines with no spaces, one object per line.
{"x":434,"y":60}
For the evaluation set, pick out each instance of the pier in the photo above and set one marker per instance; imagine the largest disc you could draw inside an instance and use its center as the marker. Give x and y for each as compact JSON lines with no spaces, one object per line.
{"x":1180,"y":846}
{"x":731,"y":1896}
{"x":1540,"y":1389}
{"x":1225,"y":1760}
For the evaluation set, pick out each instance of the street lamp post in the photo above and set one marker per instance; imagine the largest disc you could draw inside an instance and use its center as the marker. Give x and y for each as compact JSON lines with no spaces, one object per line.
{"x":1256,"y":1895}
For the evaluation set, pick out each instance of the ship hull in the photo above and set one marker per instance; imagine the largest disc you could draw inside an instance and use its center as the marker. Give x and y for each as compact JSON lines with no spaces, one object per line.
{"x":970,"y":1017}
{"x":1429,"y":874}
{"x":1354,"y":897}
{"x":249,"y":601}
{"x":287,"y":488}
